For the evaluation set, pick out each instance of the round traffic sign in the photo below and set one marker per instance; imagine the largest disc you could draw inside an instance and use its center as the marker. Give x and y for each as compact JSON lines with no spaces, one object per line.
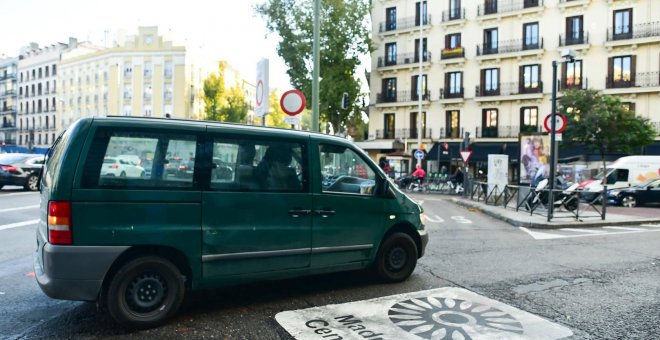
{"x":419,"y":154}
{"x":560,"y":123}
{"x":260,"y":92}
{"x":292,"y":102}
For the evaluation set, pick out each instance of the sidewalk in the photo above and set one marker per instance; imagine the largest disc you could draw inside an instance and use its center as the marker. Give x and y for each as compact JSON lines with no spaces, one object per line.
{"x":522,"y":217}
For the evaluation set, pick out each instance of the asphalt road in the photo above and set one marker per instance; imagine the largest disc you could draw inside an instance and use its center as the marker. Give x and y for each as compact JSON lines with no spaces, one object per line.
{"x":601,"y":284}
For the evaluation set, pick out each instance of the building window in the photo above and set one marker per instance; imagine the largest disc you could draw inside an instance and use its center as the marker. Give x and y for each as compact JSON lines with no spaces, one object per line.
{"x":390,"y":19}
{"x":628,"y":106}
{"x":490,"y":81}
{"x":531,"y":36}
{"x":572,"y":74}
{"x":147,"y":111}
{"x":414,"y":82}
{"x":389,"y":90}
{"x":128,"y":71}
{"x":147,"y":70}
{"x":452,"y":123}
{"x":490,"y":41}
{"x":424,"y":53}
{"x":530,"y":75}
{"x":530,"y":3}
{"x":54,"y":68}
{"x":47,"y":71}
{"x":490,"y":6}
{"x":454,"y":9}
{"x":168,"y":69}
{"x":621,"y":71}
{"x":622,"y":24}
{"x":414,"y":127}
{"x":388,"y":128}
{"x":529,"y":119}
{"x":421,"y":10}
{"x":574,"y":30}
{"x":489,"y":123}
{"x":390,"y":54}
{"x":453,"y":85}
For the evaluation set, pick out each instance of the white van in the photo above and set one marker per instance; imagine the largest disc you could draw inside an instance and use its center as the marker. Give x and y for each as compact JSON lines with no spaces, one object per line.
{"x":625,"y":172}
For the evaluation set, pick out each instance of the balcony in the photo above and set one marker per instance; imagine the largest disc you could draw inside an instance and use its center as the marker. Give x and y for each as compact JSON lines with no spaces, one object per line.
{"x":8,"y":109}
{"x":403,"y":59}
{"x":7,"y":76}
{"x":451,"y":133}
{"x":403,"y":24}
{"x":8,"y":142}
{"x":452,"y":53}
{"x":639,"y":82}
{"x":513,"y":91}
{"x":401,"y":97}
{"x":563,"y":84}
{"x":8,"y":126}
{"x":402,"y":133}
{"x":640,"y":33}
{"x":581,"y":39}
{"x":505,"y":131}
{"x":493,"y":8}
{"x":454,"y":15}
{"x":448,"y":94}
{"x":8,"y":93}
{"x":508,"y":48}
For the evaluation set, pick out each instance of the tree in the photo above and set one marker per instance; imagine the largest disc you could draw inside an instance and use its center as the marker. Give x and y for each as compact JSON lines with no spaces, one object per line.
{"x":236,"y":108}
{"x":344,"y":37}
{"x":222,"y":104}
{"x":601,"y":123}
{"x":275,"y":115}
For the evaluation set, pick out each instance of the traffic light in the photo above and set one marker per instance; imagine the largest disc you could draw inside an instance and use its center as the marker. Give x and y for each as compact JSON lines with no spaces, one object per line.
{"x":344,"y":101}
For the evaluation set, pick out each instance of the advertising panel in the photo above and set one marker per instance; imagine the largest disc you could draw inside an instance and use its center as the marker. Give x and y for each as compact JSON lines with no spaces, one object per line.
{"x":534,"y":157}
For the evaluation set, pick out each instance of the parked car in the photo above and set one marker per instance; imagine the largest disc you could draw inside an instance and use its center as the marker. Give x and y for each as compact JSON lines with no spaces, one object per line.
{"x":623,"y":173}
{"x":21,"y":170}
{"x":185,"y":169}
{"x":138,"y":245}
{"x":640,"y":194}
{"x":120,"y":167}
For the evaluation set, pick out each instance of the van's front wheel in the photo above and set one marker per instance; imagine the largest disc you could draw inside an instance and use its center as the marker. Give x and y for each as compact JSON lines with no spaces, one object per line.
{"x":397,"y":258}
{"x":145,"y":292}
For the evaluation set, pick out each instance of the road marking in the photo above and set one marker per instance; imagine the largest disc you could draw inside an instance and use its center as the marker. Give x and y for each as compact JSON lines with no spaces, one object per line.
{"x":437,"y":219}
{"x":650,"y":225}
{"x":18,"y":224}
{"x":20,"y":208}
{"x":541,"y":236}
{"x":18,"y":194}
{"x":546,"y":236}
{"x":588,"y":231}
{"x":443,"y":313}
{"x":461,"y":219}
{"x":624,"y":228}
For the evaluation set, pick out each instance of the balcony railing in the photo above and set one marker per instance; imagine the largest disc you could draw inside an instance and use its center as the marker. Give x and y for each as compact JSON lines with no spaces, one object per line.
{"x":645,"y":79}
{"x":450,"y":53}
{"x":8,"y":142}
{"x":402,"y":24}
{"x":403,"y":59}
{"x":8,"y":109}
{"x":11,"y":126}
{"x":508,"y":46}
{"x":448,"y":94}
{"x":400,"y":97}
{"x":563,"y":84}
{"x":567,"y":40}
{"x":402,"y":133}
{"x":7,"y":76}
{"x":451,"y":133}
{"x":646,"y":30}
{"x":509,"y":89}
{"x":8,"y":93}
{"x":453,"y":14}
{"x":657,"y":127}
{"x":505,"y":131}
{"x":493,"y":6}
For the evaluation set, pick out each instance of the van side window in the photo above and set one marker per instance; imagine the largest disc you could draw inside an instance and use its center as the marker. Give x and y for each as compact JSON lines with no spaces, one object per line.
{"x":140,"y":160}
{"x":252,"y":165}
{"x":344,"y":171}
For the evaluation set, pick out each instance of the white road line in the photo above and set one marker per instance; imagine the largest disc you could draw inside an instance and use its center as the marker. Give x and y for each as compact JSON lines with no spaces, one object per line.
{"x":588,"y":231}
{"x":18,"y":194}
{"x":624,"y":228}
{"x":541,"y":236}
{"x":650,"y":225}
{"x":20,"y":208}
{"x":18,"y":224}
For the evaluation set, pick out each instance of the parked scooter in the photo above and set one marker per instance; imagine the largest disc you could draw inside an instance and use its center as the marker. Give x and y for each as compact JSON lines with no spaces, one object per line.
{"x":567,"y":198}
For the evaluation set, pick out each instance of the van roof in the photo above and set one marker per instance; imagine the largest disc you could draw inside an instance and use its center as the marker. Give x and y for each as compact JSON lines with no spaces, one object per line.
{"x":203,"y":123}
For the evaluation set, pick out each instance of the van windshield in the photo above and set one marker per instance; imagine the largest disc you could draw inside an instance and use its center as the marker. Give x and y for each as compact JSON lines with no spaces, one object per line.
{"x":600,"y":173}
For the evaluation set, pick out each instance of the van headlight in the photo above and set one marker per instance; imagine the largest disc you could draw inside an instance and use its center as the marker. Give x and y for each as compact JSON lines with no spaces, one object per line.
{"x":422,"y":218}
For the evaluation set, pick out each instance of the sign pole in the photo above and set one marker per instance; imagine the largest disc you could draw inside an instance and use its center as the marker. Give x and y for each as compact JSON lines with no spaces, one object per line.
{"x":553,"y":155}
{"x":317,"y":66}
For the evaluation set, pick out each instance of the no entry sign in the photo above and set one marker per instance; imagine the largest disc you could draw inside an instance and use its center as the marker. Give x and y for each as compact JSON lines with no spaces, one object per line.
{"x":292,"y":102}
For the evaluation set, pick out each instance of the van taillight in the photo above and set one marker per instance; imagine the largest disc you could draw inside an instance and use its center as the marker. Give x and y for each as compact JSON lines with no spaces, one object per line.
{"x":59,"y":222}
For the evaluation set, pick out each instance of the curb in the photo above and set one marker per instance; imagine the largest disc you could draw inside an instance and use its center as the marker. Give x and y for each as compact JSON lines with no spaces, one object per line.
{"x":545,"y":225}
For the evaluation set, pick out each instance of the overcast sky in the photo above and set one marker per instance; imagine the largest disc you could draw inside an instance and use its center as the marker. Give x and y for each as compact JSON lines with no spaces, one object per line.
{"x":211,"y":30}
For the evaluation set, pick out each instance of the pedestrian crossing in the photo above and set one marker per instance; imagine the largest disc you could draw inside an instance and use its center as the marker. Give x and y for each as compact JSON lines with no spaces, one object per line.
{"x":548,"y":234}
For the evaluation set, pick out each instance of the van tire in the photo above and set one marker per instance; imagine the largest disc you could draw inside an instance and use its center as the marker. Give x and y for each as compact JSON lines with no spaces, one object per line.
{"x":133,"y":310}
{"x":396,"y":258}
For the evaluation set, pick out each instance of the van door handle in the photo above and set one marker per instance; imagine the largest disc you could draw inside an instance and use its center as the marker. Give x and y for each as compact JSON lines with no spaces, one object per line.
{"x":297,"y":212}
{"x":324,"y":213}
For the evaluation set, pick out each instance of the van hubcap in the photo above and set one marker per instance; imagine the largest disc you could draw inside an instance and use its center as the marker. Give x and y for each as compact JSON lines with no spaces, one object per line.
{"x":146,"y":292}
{"x":397,"y":258}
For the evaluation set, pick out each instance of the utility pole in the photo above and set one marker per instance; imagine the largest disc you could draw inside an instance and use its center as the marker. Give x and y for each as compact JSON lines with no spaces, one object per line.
{"x":422,"y":16}
{"x":315,"y":73}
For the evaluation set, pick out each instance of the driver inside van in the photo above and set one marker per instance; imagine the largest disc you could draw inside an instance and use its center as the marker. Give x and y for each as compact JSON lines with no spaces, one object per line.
{"x":274,"y":172}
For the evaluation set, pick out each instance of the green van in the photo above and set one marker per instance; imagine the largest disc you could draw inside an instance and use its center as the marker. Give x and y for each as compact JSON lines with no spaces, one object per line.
{"x":137,"y":211}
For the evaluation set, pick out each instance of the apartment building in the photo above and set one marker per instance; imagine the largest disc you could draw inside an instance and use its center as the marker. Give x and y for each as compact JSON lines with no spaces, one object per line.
{"x":486,"y":70}
{"x":8,"y":100}
{"x":37,"y":93}
{"x":141,"y":76}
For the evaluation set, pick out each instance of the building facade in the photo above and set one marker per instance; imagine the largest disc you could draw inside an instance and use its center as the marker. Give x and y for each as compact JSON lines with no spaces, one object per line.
{"x":486,"y":69}
{"x":8,"y":101}
{"x":37,"y":93}
{"x":142,"y":76}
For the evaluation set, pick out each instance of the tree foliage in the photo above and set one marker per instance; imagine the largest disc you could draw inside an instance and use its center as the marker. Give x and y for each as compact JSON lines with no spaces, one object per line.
{"x":601,"y":123}
{"x":222,"y":104}
{"x":275,"y":115}
{"x":344,"y":37}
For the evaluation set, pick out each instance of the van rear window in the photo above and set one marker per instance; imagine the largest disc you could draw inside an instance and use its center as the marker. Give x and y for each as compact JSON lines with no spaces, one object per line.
{"x":53,"y":157}
{"x":140,"y":160}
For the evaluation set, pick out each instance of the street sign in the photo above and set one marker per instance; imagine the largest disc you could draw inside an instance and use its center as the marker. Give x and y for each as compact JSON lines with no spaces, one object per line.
{"x":292,"y":102}
{"x":419,"y":154}
{"x":466,"y":155}
{"x":262,"y":90}
{"x":560,"y":123}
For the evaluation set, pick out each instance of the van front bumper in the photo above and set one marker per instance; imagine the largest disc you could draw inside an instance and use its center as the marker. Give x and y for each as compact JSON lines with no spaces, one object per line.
{"x":424,"y":236}
{"x":74,"y":272}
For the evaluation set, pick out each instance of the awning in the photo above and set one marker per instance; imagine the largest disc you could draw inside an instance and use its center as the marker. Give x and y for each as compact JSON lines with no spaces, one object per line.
{"x":380,"y":145}
{"x":452,"y":153}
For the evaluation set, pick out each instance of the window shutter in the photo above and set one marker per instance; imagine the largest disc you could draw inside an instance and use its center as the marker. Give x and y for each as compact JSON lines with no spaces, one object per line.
{"x":633,"y":70}
{"x":521,"y":79}
{"x":564,"y":77}
{"x":610,"y":72}
{"x":447,"y":41}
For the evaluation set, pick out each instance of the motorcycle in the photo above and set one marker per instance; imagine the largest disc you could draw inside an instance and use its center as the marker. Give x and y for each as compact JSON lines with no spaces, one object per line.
{"x":567,"y":198}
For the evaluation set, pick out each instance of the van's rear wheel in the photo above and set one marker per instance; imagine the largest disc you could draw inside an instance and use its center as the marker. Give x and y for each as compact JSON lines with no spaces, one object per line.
{"x":396,"y":258}
{"x":145,"y":292}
